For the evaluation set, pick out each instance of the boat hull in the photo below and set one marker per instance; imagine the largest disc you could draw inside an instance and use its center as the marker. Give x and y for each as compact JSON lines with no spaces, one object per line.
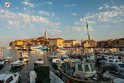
{"x":76,"y":80}
{"x":17,"y":64}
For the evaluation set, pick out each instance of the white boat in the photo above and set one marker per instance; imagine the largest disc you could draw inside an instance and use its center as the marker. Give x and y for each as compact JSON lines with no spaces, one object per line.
{"x":118,"y":80}
{"x":84,"y":70}
{"x":17,"y":64}
{"x":8,"y":59}
{"x":9,"y":78}
{"x":9,"y":47}
{"x":39,"y":62}
{"x":25,"y":56}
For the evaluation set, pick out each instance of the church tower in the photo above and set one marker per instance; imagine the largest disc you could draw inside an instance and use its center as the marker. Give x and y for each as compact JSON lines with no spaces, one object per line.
{"x":45,"y":34}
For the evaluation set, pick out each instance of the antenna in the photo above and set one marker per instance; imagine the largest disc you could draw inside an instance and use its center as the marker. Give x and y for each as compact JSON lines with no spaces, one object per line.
{"x":87,"y":30}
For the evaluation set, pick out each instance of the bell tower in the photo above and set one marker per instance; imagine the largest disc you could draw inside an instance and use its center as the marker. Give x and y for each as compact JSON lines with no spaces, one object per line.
{"x":45,"y":34}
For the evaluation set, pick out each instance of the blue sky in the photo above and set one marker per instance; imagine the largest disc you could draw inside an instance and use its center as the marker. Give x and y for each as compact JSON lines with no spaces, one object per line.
{"x":61,"y":18}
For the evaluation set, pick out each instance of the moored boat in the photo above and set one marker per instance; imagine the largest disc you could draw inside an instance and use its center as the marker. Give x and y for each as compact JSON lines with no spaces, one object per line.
{"x":17,"y":64}
{"x":25,"y":56}
{"x":9,"y":78}
{"x":80,"y":73}
{"x":8,"y":59}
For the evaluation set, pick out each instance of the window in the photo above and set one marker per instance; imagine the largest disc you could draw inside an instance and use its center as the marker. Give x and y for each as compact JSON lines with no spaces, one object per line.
{"x":9,"y":79}
{"x":92,"y":67}
{"x":80,"y":67}
{"x":86,"y":68}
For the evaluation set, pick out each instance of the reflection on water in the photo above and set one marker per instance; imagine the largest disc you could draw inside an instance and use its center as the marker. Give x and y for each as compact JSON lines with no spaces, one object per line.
{"x":24,"y":71}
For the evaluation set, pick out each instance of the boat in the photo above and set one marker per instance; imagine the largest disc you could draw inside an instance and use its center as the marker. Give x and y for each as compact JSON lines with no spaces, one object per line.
{"x":10,"y":78}
{"x":17,"y":64}
{"x":80,"y":73}
{"x":2,"y":62}
{"x":8,"y":59}
{"x":42,"y":74}
{"x":61,"y":51}
{"x":9,"y":47}
{"x":40,"y":47}
{"x":25,"y":56}
{"x":38,"y":51}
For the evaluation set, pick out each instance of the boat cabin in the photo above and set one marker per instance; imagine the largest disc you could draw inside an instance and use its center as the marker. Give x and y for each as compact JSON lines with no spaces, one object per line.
{"x":85,"y":70}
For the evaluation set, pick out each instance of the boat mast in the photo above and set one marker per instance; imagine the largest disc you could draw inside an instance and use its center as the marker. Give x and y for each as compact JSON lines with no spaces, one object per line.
{"x":88,"y":32}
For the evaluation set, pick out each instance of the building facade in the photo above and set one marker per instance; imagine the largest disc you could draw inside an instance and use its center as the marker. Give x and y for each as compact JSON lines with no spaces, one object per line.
{"x":88,"y":43}
{"x":58,"y":42}
{"x":71,"y":43}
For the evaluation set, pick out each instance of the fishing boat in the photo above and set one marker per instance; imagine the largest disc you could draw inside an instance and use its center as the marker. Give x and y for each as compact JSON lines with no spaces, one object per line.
{"x":17,"y":64}
{"x":80,"y":73}
{"x":42,"y":74}
{"x":8,"y":59}
{"x":9,"y":78}
{"x":25,"y":56}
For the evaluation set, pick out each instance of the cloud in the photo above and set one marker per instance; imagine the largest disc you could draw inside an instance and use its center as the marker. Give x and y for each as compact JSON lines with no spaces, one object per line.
{"x":76,"y":23}
{"x":54,"y":33}
{"x":39,"y":19}
{"x":54,"y":24}
{"x":100,"y":8}
{"x":27,"y":3}
{"x":46,"y":13}
{"x":13,"y":23}
{"x":70,"y":5}
{"x":74,"y":14}
{"x":17,"y":8}
{"x":89,"y":21}
{"x":106,"y":6}
{"x":45,"y":3}
{"x":17,"y":19}
{"x":76,"y":32}
{"x":108,"y":15}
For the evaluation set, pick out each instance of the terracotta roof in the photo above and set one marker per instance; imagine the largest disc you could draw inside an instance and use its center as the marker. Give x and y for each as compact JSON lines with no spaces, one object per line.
{"x":67,"y":41}
{"x":54,"y":38}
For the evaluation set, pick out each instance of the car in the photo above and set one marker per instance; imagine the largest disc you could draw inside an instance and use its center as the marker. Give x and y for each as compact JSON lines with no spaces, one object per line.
{"x":10,"y":78}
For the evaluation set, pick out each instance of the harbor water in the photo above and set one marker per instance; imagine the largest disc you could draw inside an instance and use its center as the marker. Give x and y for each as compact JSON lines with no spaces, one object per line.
{"x":24,"y":72}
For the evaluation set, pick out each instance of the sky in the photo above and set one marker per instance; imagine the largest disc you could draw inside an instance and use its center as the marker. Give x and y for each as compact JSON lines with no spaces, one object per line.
{"x":66,"y":19}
